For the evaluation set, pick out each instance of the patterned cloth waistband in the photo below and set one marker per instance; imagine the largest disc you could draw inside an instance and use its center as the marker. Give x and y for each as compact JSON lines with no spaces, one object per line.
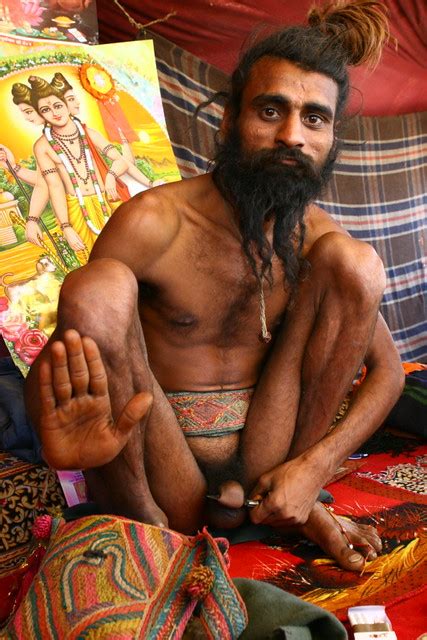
{"x":211,"y":413}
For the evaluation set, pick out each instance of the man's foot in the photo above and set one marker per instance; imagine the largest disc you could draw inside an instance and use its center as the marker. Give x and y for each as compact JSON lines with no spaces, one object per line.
{"x":135,"y":503}
{"x":349,"y":543}
{"x":335,"y":534}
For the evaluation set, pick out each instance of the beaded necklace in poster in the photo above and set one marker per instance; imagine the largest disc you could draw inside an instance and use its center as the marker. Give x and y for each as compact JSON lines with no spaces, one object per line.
{"x":66,"y":158}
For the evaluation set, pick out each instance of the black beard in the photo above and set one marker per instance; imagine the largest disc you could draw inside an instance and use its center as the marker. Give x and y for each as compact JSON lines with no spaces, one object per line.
{"x":260,"y":187}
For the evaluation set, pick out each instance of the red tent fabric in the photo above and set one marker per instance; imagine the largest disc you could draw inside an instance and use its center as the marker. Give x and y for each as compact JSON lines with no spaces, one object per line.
{"x":215,"y":31}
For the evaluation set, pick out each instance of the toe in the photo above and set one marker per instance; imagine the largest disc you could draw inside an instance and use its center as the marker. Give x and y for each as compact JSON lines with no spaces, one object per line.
{"x":347,"y":542}
{"x":364,"y":537}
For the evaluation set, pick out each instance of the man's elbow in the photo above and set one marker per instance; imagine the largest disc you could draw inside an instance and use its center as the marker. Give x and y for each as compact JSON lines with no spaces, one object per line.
{"x":395,"y":374}
{"x":399,"y":381}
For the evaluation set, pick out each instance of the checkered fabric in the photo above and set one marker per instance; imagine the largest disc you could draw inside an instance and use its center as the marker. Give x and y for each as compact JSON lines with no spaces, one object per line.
{"x":378,"y":191}
{"x":379,"y":194}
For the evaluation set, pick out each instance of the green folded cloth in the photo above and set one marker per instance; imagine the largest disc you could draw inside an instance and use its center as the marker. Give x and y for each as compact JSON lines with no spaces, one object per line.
{"x":275,"y":614}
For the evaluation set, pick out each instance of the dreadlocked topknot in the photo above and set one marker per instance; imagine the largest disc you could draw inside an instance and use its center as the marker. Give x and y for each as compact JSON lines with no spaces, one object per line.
{"x":361,"y":27}
{"x":337,"y":35}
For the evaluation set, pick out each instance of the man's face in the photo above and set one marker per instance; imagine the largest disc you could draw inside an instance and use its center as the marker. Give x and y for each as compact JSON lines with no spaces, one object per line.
{"x":286,"y":107}
{"x":276,"y":157}
{"x":54,"y":111}
{"x":72,"y":102}
{"x":30,"y":114}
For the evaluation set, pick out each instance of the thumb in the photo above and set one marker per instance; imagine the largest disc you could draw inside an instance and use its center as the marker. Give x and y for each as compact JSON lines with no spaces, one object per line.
{"x":260,"y":492}
{"x":262,"y":487}
{"x":135,"y":410}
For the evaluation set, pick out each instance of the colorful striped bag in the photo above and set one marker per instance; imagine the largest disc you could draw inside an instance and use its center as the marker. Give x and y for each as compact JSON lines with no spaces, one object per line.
{"x":105,"y":577}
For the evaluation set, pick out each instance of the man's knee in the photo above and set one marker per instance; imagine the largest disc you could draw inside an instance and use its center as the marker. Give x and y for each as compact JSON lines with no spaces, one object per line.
{"x":102,"y":293}
{"x":351,"y":266}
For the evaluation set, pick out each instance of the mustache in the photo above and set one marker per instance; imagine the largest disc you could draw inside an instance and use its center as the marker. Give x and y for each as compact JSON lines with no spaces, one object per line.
{"x":273,"y":157}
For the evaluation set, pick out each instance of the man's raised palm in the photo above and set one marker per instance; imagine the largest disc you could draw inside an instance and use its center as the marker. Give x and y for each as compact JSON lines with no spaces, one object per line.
{"x":76,"y":425}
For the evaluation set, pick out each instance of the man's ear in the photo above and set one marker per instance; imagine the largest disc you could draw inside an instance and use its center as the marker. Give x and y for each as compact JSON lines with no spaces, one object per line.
{"x":225,"y":122}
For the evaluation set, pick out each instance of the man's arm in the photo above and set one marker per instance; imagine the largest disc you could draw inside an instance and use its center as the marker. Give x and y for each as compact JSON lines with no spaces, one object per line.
{"x":6,"y":156}
{"x":374,"y":399}
{"x":292,"y":487}
{"x":292,"y":392}
{"x":39,"y":200}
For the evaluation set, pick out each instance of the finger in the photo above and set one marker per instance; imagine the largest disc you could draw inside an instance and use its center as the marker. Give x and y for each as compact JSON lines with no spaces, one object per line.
{"x":47,"y":397}
{"x":60,"y":376}
{"x":261,"y":513}
{"x":98,"y":383}
{"x":271,"y":510}
{"x":134,"y":411}
{"x":77,"y":366}
{"x":260,"y":493}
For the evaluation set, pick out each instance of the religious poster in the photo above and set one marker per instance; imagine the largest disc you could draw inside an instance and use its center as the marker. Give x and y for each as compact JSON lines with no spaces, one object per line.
{"x":61,"y":20}
{"x":82,"y":131}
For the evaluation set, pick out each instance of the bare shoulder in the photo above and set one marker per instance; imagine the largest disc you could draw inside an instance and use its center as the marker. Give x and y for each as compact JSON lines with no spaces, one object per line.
{"x":96,"y":136}
{"x":323,"y":231}
{"x":45,"y":155}
{"x":318,"y":223}
{"x":143,"y":229}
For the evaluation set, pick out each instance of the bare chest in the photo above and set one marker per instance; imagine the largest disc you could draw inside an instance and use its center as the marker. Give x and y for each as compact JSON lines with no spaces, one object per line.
{"x":208,"y":294}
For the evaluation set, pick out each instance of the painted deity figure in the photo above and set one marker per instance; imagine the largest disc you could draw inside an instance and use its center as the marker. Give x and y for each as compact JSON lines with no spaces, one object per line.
{"x":40,"y":196}
{"x":133,"y":174}
{"x":65,"y":153}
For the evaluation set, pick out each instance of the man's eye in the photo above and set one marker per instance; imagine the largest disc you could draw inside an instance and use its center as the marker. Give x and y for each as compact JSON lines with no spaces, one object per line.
{"x":314,"y":119}
{"x":269,"y":113}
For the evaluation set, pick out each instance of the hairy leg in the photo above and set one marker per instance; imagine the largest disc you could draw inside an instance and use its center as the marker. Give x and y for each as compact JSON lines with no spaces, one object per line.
{"x":324,"y":338}
{"x":325,"y":334}
{"x":100,"y":301}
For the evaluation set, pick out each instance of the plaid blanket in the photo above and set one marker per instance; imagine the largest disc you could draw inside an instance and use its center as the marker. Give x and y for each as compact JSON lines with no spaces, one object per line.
{"x":378,"y":193}
{"x":378,"y":190}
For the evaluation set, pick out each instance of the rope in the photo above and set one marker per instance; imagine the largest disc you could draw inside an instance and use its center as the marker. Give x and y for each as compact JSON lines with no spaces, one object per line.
{"x":265,"y":334}
{"x":138,"y":25}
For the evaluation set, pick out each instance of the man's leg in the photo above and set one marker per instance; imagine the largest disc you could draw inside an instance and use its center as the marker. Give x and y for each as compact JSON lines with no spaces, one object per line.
{"x":100,"y":301}
{"x":325,"y":335}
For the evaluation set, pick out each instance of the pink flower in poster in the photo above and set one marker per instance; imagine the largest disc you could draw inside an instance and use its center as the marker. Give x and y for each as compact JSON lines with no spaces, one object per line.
{"x":4,"y":303}
{"x":13,"y":325}
{"x":29,"y":344}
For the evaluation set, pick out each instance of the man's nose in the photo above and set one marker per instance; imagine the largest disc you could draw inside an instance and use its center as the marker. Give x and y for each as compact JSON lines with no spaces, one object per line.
{"x":290,"y":133}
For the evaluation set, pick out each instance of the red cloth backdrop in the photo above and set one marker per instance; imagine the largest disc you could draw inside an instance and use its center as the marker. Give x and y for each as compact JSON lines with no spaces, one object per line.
{"x":215,"y":30}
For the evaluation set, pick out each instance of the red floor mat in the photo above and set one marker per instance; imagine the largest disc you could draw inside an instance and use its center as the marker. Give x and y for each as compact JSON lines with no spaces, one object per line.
{"x":388,"y":491}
